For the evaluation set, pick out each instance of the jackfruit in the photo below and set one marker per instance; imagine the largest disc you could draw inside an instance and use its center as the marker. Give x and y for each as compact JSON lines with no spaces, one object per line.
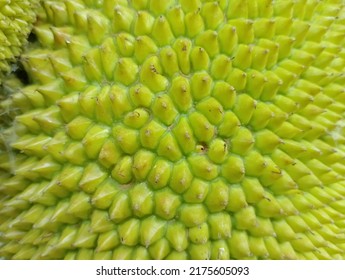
{"x":178,"y":129}
{"x":16,"y":20}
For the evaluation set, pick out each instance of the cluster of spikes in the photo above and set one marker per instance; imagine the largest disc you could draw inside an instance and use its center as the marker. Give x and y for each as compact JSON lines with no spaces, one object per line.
{"x":16,"y":19}
{"x":178,"y":129}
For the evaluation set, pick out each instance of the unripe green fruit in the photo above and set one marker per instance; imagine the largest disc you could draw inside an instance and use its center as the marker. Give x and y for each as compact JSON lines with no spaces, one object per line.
{"x":176,"y":129}
{"x":16,"y":20}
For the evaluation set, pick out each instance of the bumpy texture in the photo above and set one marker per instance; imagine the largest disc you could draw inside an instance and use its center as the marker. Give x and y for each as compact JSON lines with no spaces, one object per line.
{"x":178,"y":130}
{"x":16,"y":19}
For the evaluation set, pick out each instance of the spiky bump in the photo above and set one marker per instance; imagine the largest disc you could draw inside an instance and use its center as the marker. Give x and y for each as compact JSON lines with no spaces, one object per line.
{"x":179,"y":130}
{"x":16,"y":19}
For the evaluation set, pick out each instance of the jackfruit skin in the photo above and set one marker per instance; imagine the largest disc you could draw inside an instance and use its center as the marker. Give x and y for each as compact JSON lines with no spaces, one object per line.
{"x":16,"y":21}
{"x":178,"y":130}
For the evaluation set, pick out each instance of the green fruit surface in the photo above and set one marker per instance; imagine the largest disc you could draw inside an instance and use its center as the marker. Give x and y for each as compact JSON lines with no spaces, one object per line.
{"x":16,"y":19}
{"x":177,"y":129}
